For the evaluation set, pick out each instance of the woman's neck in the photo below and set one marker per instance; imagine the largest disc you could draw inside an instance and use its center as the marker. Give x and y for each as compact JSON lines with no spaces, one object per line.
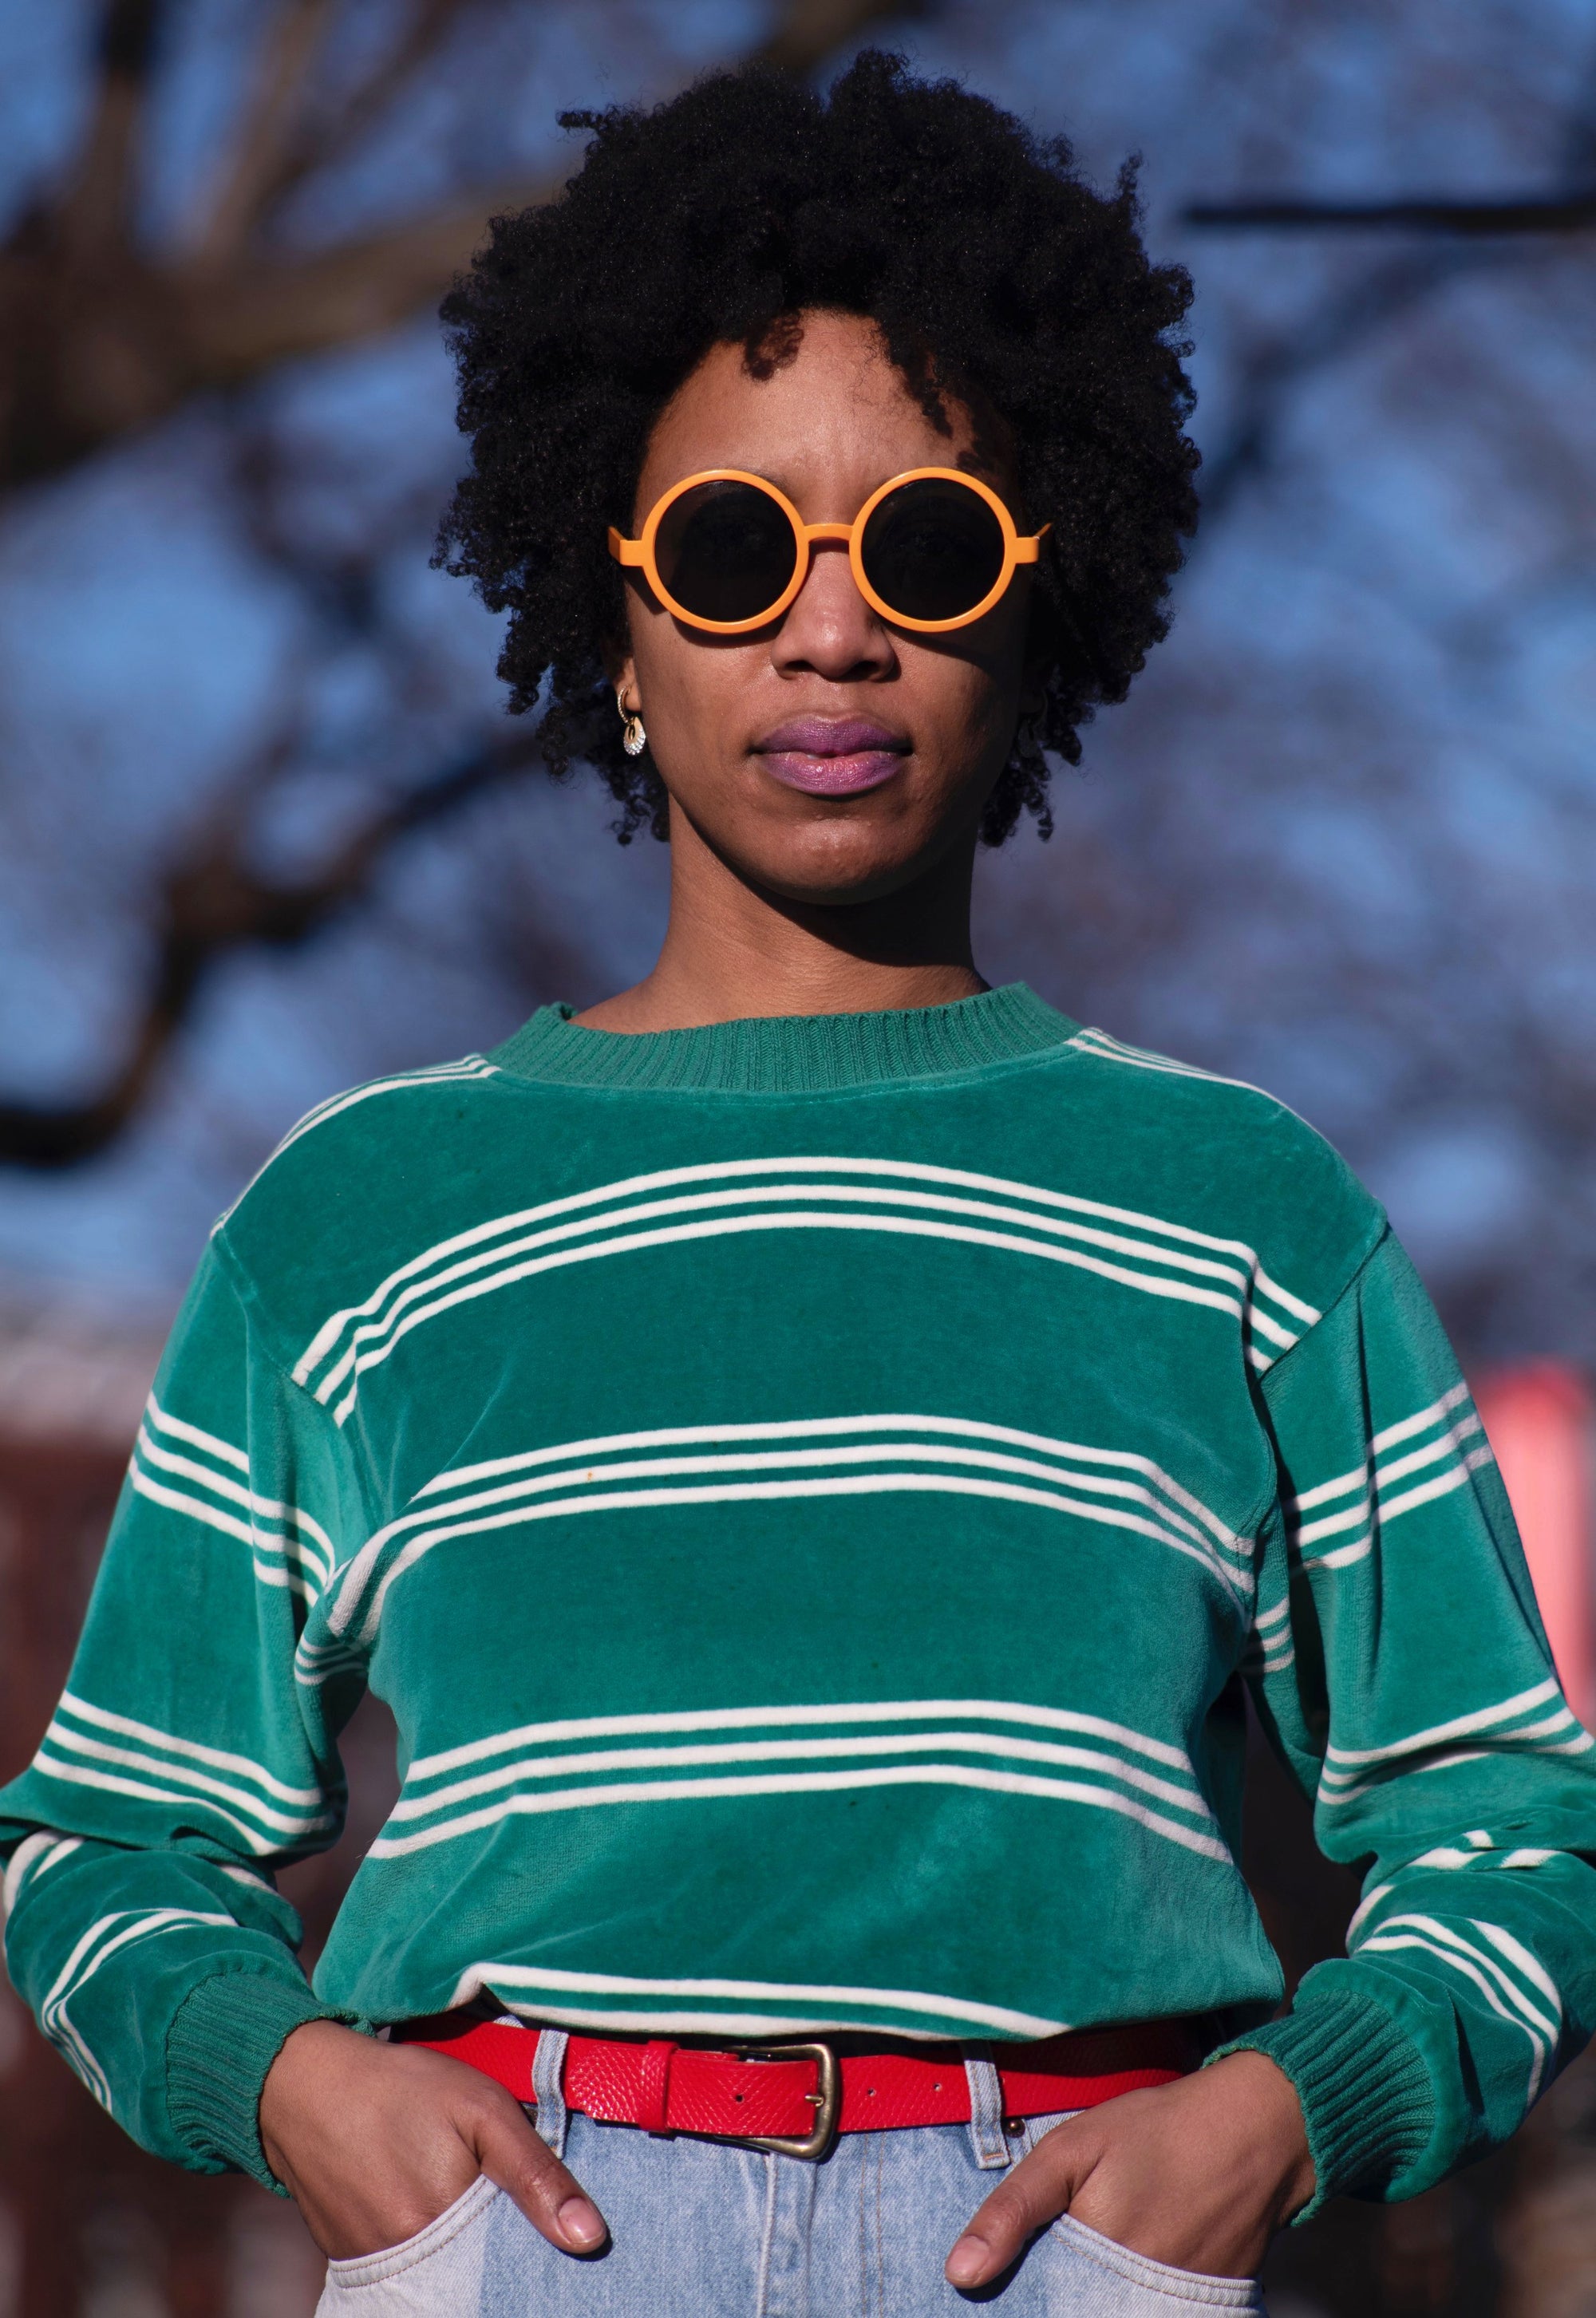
{"x":733,"y":950}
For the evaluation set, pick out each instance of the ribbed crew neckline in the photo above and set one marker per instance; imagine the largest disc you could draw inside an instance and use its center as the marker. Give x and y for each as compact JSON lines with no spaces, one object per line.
{"x":790,"y":1054}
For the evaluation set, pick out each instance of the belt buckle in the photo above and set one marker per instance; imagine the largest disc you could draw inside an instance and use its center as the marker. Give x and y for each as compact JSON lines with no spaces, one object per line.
{"x":827,"y":2099}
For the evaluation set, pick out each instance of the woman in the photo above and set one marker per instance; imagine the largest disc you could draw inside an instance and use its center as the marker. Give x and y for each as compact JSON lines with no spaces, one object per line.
{"x":811,"y":1449}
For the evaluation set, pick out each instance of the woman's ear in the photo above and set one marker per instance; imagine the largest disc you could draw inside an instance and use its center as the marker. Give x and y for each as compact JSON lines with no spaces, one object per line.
{"x":621,"y":670}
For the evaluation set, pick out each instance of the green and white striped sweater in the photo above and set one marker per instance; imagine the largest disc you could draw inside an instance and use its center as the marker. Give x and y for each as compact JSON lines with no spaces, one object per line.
{"x":811,"y":1493}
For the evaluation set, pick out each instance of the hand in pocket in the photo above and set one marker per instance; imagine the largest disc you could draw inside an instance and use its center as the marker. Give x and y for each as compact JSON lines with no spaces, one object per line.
{"x":1197,"y":2175}
{"x":374,"y":2141}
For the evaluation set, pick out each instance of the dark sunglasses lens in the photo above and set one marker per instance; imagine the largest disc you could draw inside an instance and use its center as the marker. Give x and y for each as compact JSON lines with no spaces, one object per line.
{"x":725,"y":550}
{"x":932,"y":550}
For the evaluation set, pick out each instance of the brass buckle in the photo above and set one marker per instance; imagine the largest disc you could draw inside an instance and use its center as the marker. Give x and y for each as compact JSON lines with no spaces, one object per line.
{"x":827,"y":2099}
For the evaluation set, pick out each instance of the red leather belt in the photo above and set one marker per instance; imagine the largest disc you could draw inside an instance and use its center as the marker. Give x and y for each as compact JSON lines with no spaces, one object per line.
{"x":795,"y":2098}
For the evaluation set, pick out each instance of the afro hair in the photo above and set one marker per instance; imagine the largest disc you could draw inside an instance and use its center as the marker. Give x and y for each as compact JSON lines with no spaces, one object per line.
{"x":998,"y":277}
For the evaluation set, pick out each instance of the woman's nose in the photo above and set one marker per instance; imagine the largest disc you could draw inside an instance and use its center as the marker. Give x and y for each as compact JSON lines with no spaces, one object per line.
{"x":829,"y":628}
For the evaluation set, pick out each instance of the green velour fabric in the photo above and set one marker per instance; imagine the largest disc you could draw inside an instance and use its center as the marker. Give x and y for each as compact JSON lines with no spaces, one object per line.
{"x":812,"y":1493}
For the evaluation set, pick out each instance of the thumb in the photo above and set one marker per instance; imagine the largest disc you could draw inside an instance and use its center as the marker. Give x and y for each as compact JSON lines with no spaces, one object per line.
{"x":1038,"y":2189}
{"x":512,"y":2154}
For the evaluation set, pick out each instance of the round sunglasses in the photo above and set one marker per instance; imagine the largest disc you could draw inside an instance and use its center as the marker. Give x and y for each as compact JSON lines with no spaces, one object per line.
{"x":727,"y":552}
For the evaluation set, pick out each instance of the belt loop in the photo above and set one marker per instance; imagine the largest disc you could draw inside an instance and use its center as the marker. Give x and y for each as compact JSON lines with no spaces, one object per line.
{"x":654,"y":2087}
{"x":987,"y":2142}
{"x":548,"y":2086}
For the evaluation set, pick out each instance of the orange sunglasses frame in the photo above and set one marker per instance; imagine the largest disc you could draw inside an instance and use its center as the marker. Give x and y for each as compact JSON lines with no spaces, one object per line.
{"x":638,"y":553}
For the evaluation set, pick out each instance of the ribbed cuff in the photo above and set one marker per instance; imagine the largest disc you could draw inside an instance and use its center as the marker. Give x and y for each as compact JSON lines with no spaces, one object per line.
{"x":1365,"y":2091}
{"x":223,"y":2038}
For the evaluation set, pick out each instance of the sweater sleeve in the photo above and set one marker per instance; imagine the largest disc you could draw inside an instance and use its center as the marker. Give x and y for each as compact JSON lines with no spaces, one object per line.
{"x":184,"y":1763}
{"x":1403,"y":1675}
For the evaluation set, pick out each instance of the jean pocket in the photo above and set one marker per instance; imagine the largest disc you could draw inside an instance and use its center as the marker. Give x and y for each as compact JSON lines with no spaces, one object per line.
{"x":1190,"y":2285}
{"x":363,"y":2270}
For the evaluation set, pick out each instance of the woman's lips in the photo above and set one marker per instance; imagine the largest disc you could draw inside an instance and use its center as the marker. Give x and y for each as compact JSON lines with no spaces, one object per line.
{"x":832,"y":757}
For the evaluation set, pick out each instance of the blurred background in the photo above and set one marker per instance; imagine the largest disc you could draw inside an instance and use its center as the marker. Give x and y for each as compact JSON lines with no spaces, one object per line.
{"x":264,"y":829}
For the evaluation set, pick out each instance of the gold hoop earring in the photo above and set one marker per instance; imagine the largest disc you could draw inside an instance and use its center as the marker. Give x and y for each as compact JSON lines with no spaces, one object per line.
{"x":634,"y":739}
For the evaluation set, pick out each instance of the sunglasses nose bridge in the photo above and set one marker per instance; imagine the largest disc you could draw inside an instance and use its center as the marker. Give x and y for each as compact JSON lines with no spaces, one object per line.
{"x":813,"y":531}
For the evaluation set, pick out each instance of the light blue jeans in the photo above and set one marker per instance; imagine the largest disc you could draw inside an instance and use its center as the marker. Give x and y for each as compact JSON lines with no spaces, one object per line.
{"x":699,"y":2230}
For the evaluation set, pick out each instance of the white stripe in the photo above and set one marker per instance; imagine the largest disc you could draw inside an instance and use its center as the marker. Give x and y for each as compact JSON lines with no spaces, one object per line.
{"x":806,"y":1219}
{"x":131,"y":1759}
{"x":1343,"y":1556}
{"x":1284,"y":1337}
{"x":945,"y":1775}
{"x":470,"y":1066}
{"x":826,"y":1427}
{"x":182,"y":1430}
{"x":61,"y":2031}
{"x":1447,"y":1933}
{"x":1523,"y":1958}
{"x":1388,"y":1438}
{"x":1329,"y":1524}
{"x":771,"y":1750}
{"x":580,"y":1468}
{"x":216,"y":1757}
{"x":176,"y":1501}
{"x":1113,"y":1050}
{"x":1333,"y":1525}
{"x":1300,"y":1310}
{"x":575,"y":1466}
{"x":755,"y":1718}
{"x":1409,"y":1426}
{"x":1106,"y":1049}
{"x":1461,"y":1727}
{"x":111,"y":1783}
{"x":1441,"y":1486}
{"x":1472,"y":1971}
{"x":1431,"y":1454}
{"x":498,"y":1976}
{"x":1332,"y":1780}
{"x":1365,"y":1908}
{"x":750,"y":1493}
{"x":34,"y":1853}
{"x":908,"y":1171}
{"x":270,"y":1508}
{"x":1324,"y":1491}
{"x":1349,"y":1786}
{"x":1391,"y":1509}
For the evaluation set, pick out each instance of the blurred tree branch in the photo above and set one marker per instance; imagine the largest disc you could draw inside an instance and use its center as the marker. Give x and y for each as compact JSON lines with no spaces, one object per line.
{"x":215,"y":904}
{"x":100,"y":337}
{"x":1572,"y":212}
{"x":1391,"y":290}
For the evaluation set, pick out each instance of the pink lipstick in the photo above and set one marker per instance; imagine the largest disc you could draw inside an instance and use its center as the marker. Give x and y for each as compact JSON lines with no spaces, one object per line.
{"x":831,"y":756}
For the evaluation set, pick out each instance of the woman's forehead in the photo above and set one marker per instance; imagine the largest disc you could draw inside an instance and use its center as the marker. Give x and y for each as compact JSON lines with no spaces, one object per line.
{"x":837,"y":407}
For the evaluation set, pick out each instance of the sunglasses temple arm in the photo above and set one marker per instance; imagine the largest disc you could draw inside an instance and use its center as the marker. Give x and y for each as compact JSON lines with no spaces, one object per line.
{"x":625,"y":550}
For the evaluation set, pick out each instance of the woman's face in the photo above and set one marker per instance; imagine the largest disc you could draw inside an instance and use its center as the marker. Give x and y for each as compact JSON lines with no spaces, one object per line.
{"x":829,"y":757}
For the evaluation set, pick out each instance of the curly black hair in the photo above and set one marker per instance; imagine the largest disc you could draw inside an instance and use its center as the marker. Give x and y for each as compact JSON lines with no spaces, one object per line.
{"x":998,"y":277}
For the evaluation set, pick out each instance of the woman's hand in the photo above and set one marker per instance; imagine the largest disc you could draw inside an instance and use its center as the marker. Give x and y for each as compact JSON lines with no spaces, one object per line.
{"x":374,"y":2141}
{"x":1200,"y":2174}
